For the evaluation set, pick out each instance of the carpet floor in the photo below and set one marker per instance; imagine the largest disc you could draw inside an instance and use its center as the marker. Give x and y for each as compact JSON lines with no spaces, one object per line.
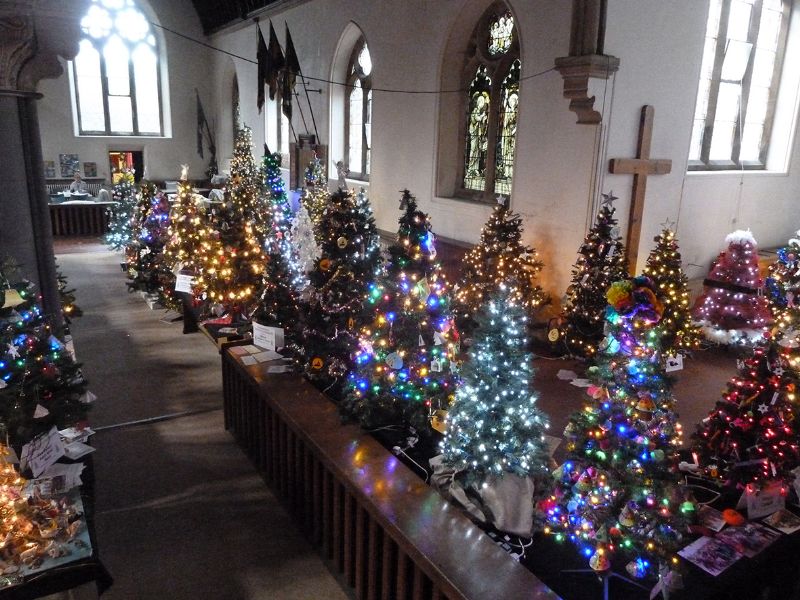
{"x":181,"y":513}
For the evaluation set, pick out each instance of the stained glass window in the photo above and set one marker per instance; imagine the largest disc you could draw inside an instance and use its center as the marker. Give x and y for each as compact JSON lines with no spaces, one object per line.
{"x":492,"y":73}
{"x":507,"y":136}
{"x":477,"y":145}
{"x":116,"y":80}
{"x":358,"y":112}
{"x":501,"y":33}
{"x":739,"y":77}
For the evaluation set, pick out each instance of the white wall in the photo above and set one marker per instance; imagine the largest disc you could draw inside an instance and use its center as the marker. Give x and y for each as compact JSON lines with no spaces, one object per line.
{"x":660,"y":66}
{"x":187,"y":65}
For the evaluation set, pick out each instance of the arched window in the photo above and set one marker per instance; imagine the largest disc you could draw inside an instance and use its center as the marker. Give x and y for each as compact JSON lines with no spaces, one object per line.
{"x":358,"y":112}
{"x":116,"y":76}
{"x":276,"y":128}
{"x":739,"y":83}
{"x":491,"y":77}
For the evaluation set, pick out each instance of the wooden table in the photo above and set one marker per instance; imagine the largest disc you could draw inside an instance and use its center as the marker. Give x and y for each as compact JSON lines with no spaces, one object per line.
{"x":81,"y":218}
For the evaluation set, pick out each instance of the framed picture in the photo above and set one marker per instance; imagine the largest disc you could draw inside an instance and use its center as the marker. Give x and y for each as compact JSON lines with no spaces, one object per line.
{"x":69,"y":164}
{"x":49,"y":169}
{"x":90,"y":169}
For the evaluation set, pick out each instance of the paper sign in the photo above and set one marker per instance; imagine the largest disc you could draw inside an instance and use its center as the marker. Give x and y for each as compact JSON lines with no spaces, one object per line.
{"x":267,"y":355}
{"x":765,"y":501}
{"x":249,"y":360}
{"x":75,"y":450}
{"x":674,"y":362}
{"x":42,"y":451}
{"x":184,"y":283}
{"x":268,"y":338}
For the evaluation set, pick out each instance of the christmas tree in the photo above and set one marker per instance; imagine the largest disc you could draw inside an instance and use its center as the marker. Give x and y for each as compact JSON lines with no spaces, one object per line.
{"x":618,"y":490}
{"x":120,"y":224}
{"x":149,"y":269}
{"x":678,"y":332}
{"x":500,"y":257}
{"x":334,"y":309}
{"x":278,"y":305}
{"x":731,"y":309}
{"x":233,"y":264}
{"x":306,"y":248}
{"x":601,"y":261}
{"x":40,"y":384}
{"x":189,"y":235}
{"x":751,"y":436}
{"x":316,"y":195}
{"x":494,"y":426}
{"x":783,"y":282}
{"x":405,"y":365}
{"x":67,"y":296}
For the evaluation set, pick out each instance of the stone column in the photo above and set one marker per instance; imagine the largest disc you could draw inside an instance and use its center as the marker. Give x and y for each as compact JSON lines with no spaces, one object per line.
{"x":33,"y":34}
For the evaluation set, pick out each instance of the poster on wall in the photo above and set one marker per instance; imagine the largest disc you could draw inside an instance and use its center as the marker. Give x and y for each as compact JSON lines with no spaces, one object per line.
{"x":90,"y":169}
{"x":50,"y":168}
{"x":69,"y":164}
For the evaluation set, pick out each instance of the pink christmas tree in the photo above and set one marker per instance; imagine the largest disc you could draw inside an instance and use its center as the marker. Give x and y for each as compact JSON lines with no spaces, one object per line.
{"x":732,"y":308}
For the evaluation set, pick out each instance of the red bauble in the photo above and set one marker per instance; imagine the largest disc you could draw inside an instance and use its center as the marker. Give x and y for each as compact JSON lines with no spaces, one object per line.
{"x":50,"y":371}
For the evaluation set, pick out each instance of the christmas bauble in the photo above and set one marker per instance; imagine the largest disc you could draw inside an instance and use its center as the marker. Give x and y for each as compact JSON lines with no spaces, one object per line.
{"x":316,"y":363}
{"x":342,"y":242}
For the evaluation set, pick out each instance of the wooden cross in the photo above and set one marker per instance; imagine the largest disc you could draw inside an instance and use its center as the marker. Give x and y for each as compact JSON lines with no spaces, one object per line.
{"x":640,"y":167}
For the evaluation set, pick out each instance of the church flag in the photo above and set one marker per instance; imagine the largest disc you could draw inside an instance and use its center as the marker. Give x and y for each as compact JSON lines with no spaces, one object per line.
{"x":275,"y":63}
{"x":201,"y":120}
{"x":290,"y":74}
{"x":263,"y":66}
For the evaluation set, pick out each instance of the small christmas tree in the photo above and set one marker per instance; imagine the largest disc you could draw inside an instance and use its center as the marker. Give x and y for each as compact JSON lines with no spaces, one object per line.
{"x":233,"y":265}
{"x":40,"y":384}
{"x":316,"y":195}
{"x":67,"y":295}
{"x":751,"y":435}
{"x":618,"y":490}
{"x":120,"y":224}
{"x":678,"y":332}
{"x":149,"y":269}
{"x":334,"y":309}
{"x":494,"y":426}
{"x":405,"y":364}
{"x":278,"y":305}
{"x":783,"y":282}
{"x":601,"y":261}
{"x":306,"y":248}
{"x":731,"y":309}
{"x":189,"y":236}
{"x":500,"y":257}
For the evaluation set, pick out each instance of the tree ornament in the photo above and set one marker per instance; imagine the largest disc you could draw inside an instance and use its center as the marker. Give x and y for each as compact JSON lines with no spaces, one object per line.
{"x":341,"y":242}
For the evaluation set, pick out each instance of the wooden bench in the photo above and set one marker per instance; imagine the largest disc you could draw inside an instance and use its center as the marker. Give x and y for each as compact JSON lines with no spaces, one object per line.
{"x":384,"y":530}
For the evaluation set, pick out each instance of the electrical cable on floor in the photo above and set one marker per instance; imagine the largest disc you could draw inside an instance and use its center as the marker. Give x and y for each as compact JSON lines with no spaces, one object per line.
{"x":149,"y":420}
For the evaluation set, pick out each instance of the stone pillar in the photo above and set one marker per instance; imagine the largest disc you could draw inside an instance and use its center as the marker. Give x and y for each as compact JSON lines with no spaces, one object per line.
{"x":33,"y":34}
{"x":586,"y":64}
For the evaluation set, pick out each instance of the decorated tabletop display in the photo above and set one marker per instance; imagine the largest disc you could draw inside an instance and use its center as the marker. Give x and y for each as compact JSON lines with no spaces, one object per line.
{"x":618,"y":492}
{"x":333,"y":311}
{"x":405,"y":365}
{"x":40,"y":383}
{"x":233,"y":261}
{"x":121,"y":214}
{"x":678,"y":333}
{"x":601,"y":261}
{"x":751,"y":438}
{"x":500,"y":257}
{"x":494,"y":429}
{"x":732,"y":309}
{"x":37,"y":531}
{"x":783,"y":282}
